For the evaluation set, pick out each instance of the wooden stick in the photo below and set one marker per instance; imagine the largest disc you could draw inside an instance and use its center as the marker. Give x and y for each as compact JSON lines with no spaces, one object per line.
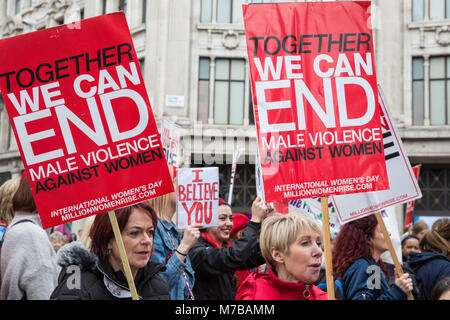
{"x":123,"y":255}
{"x":327,"y":244}
{"x":397,"y":264}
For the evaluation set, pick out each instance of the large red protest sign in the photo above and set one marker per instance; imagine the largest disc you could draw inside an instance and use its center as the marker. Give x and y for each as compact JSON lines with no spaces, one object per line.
{"x":315,"y":98}
{"x":82,"y":119}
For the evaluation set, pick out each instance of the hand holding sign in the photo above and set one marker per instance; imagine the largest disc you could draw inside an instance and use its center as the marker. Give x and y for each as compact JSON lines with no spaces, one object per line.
{"x":260,"y":211}
{"x":190,"y":237}
{"x":404,"y":282}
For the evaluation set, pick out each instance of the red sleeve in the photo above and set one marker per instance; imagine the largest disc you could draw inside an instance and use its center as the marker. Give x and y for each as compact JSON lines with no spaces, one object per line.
{"x":320,"y":294}
{"x":247,"y":289}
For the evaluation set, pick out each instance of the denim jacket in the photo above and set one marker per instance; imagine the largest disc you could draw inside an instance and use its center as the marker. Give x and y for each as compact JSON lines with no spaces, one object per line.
{"x":163,"y":249}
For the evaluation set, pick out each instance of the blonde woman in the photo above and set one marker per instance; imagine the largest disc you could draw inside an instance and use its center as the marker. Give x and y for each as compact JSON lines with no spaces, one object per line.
{"x":171,"y":249}
{"x":7,"y":191}
{"x":292,"y":245}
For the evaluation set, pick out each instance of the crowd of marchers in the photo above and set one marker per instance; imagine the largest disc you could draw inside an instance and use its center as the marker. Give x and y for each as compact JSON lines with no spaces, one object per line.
{"x":260,"y":255}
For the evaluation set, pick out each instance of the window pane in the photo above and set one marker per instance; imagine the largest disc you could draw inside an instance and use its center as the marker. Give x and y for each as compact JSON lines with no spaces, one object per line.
{"x":237,"y":103}
{"x":237,"y":11}
{"x":204,"y":69}
{"x":123,"y":6}
{"x":418,"y":103}
{"x":144,"y":11}
{"x":437,"y":102}
{"x":437,"y":9}
{"x":237,"y":69}
{"x":221,"y":102}
{"x":448,"y":105}
{"x":18,"y":5}
{"x":224,"y":11}
{"x":206,"y":14}
{"x":417,"y":10}
{"x":448,"y":67}
{"x":251,"y":112}
{"x":142,"y":65}
{"x":203,"y":101}
{"x":222,"y":69}
{"x":437,"y":68}
{"x":418,"y":68}
{"x":448,"y":10}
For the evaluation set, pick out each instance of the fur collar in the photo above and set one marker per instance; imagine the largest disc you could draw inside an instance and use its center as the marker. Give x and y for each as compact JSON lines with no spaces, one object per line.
{"x":75,"y":253}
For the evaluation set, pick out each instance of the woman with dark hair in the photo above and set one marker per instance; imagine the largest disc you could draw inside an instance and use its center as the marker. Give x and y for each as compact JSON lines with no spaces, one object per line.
{"x":409,"y":244}
{"x":356,"y":259}
{"x":28,"y":262}
{"x":433,"y":263}
{"x":441,"y":291}
{"x":172,"y":247}
{"x":101,"y":271}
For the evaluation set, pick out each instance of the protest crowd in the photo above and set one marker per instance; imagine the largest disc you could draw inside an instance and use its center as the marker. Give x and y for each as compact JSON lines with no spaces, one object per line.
{"x":156,"y":230}
{"x":265,"y":256}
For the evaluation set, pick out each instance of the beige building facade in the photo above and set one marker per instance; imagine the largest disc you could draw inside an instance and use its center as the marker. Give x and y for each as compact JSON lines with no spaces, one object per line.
{"x":194,"y":61}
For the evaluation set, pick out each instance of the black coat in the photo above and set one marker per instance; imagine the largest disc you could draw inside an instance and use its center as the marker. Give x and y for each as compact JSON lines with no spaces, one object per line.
{"x":429,"y":268}
{"x":98,"y":281}
{"x":214,"y":267}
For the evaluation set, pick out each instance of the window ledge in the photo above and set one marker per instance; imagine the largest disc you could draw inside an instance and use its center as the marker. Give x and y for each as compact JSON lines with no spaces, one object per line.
{"x":210,"y":130}
{"x":425,"y":132}
{"x":429,"y":24}
{"x":138,"y":29}
{"x":221,"y":27}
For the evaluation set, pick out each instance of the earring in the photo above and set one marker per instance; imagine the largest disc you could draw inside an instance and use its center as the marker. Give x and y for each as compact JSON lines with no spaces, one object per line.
{"x":108,"y":252}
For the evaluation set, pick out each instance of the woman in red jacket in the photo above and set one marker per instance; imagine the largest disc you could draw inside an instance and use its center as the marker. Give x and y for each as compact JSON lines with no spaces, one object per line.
{"x":292,"y":245}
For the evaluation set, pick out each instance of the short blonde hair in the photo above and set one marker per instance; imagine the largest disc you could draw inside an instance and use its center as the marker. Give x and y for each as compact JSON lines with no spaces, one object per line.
{"x":7,"y":191}
{"x":161,"y":204}
{"x":279,"y":232}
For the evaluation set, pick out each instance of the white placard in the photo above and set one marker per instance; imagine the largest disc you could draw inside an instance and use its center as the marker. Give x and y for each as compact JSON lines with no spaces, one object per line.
{"x":402,"y":181}
{"x":236,"y":156}
{"x":258,"y":178}
{"x":198,"y":196}
{"x":170,"y":140}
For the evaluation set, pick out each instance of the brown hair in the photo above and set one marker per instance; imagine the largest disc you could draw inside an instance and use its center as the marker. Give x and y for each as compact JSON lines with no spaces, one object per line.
{"x":23,"y":198}
{"x":418,"y":227}
{"x":7,"y":191}
{"x":101,"y":231}
{"x":436,"y":240}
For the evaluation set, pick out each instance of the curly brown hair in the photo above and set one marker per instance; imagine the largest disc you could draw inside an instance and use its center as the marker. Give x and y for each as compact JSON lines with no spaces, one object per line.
{"x":352,"y":243}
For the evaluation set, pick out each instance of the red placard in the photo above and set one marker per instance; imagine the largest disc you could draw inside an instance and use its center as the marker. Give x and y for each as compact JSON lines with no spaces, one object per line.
{"x":315,"y":98}
{"x":81,"y":116}
{"x":409,"y":211}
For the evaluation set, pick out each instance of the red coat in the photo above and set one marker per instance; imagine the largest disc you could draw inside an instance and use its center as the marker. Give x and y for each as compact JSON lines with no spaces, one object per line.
{"x":262,"y":286}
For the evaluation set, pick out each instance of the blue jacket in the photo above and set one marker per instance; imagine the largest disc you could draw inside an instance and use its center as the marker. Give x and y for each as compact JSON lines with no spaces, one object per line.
{"x":429,"y":268}
{"x":360,"y":282}
{"x":163,"y":249}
